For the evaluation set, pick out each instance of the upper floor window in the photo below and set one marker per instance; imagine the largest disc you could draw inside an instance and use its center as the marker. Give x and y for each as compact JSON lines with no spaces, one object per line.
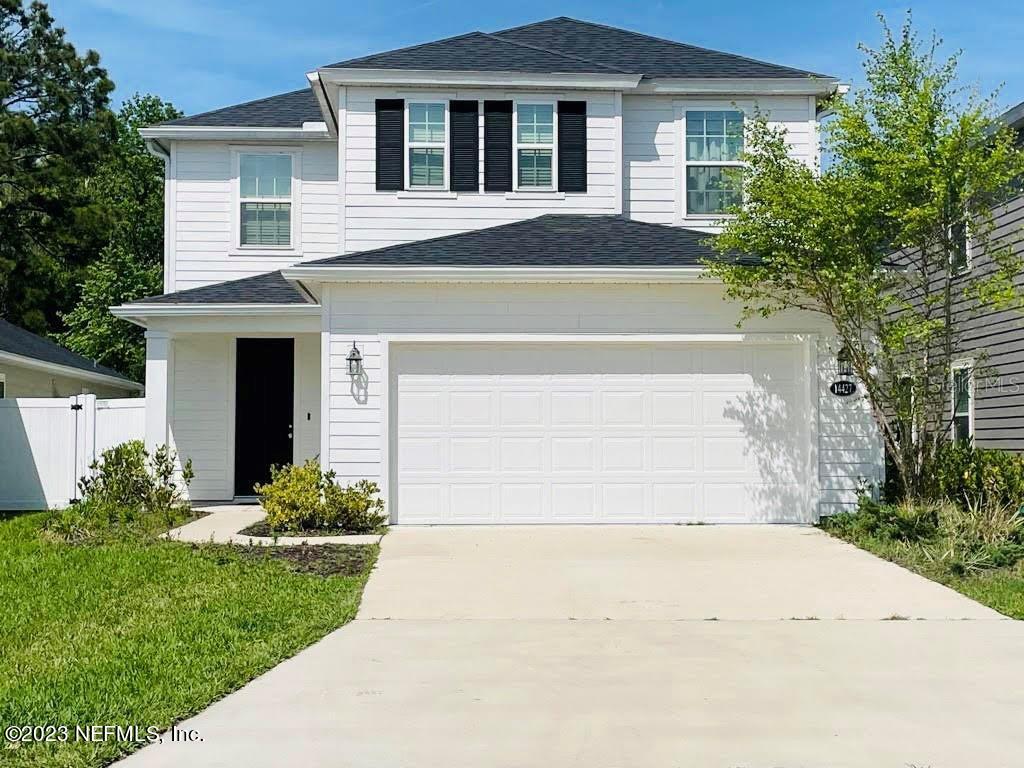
{"x":265,"y":200}
{"x":960,"y":253}
{"x":426,"y":137}
{"x":963,"y":402}
{"x":535,"y":146}
{"x":713,"y":173}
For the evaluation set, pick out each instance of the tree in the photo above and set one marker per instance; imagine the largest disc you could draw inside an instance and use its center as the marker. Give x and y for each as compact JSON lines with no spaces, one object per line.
{"x":869,"y":241}
{"x":129,"y":186}
{"x":54,"y":131}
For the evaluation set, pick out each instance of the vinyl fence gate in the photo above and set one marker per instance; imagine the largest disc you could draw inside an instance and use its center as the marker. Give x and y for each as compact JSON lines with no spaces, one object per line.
{"x":48,"y":443}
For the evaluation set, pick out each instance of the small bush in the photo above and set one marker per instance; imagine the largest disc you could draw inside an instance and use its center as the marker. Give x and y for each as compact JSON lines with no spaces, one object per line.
{"x":305,"y":498}
{"x":904,"y":522}
{"x":127,"y":492}
{"x":966,"y":475}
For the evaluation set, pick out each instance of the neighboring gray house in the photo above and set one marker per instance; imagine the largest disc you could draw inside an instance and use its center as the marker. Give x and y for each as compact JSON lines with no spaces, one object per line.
{"x":32,"y":366}
{"x":989,"y":406}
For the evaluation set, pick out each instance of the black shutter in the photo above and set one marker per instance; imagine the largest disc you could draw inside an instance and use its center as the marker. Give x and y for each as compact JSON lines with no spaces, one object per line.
{"x":572,"y":146}
{"x":497,"y":146}
{"x":390,"y":147}
{"x":464,"y":127}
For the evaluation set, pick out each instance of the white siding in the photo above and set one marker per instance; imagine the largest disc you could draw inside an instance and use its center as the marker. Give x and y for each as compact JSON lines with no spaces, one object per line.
{"x":652,"y":146}
{"x":364,"y":311}
{"x":202,"y":250}
{"x":376,"y":219}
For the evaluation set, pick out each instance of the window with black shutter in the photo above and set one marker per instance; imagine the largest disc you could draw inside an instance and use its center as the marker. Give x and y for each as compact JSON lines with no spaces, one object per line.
{"x":572,"y":146}
{"x":498,"y":146}
{"x":390,"y":144}
{"x":464,"y":130}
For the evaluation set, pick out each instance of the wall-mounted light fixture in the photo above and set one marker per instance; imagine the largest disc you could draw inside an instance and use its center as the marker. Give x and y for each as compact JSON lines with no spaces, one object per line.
{"x":355,"y":361}
{"x":844,"y":362}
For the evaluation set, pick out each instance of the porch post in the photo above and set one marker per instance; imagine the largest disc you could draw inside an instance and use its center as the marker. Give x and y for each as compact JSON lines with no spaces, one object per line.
{"x":159,"y":363}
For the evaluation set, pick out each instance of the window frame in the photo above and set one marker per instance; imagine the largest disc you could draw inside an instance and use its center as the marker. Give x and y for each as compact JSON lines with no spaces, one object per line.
{"x":553,"y":146}
{"x":411,"y":145}
{"x":685,"y":164}
{"x":962,"y":365}
{"x":295,"y":234}
{"x":957,"y":271}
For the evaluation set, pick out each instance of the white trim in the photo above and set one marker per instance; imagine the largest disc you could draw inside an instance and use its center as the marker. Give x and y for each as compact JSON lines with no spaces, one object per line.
{"x":498,"y":274}
{"x":408,"y":145}
{"x":294,"y":248}
{"x":200,"y":310}
{"x":385,"y":427}
{"x":797,"y":86}
{"x":68,"y":370}
{"x":530,"y":101}
{"x":438,"y":77}
{"x":531,"y":193}
{"x":426,"y":193}
{"x":611,"y":338}
{"x":620,"y":191}
{"x":308,"y":132}
{"x":960,"y":365}
{"x":342,"y":148}
{"x":325,"y":380}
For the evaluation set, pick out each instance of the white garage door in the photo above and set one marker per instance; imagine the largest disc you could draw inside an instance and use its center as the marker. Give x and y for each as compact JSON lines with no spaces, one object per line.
{"x":600,"y":433}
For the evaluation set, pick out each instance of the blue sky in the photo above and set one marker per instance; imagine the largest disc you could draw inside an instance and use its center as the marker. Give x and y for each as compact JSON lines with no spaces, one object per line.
{"x":203,"y":54}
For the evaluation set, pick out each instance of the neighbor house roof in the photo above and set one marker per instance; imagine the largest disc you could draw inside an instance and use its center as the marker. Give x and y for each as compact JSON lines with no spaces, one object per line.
{"x":268,"y":288}
{"x":552,"y":240}
{"x":556,"y":46}
{"x":18,"y":341}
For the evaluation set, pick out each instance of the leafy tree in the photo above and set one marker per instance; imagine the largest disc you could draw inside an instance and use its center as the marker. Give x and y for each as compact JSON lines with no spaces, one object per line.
{"x":129,"y":186}
{"x":54,"y":130}
{"x":869,"y":241}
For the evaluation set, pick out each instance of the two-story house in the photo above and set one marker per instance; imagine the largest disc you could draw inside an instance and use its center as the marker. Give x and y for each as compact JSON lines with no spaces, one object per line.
{"x":470,"y":270}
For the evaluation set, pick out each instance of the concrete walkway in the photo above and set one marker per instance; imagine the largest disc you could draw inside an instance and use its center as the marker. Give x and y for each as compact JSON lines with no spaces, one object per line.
{"x":633,"y":646}
{"x":223,"y":523}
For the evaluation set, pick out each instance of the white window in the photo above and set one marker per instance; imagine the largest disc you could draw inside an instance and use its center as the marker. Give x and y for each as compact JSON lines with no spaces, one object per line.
{"x":3,"y":386}
{"x":535,"y":146}
{"x":963,"y":402}
{"x":713,"y":175}
{"x":427,"y":133}
{"x":266,"y":189}
{"x":960,"y":254}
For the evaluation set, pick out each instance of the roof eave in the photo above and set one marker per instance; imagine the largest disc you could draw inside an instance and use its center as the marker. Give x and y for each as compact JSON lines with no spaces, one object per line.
{"x":69,"y":370}
{"x":755,"y":86}
{"x":473,"y":274}
{"x":436,"y":77}
{"x":307,"y":132}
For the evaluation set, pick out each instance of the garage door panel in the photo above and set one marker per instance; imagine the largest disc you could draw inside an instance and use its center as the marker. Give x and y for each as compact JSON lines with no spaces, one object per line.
{"x":655,"y":433}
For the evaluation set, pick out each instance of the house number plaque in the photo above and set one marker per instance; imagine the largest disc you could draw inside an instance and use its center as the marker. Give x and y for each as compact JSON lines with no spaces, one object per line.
{"x":843,"y":388}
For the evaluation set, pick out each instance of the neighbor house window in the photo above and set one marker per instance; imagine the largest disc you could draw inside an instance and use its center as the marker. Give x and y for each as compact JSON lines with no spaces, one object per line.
{"x":963,"y":403}
{"x":426,"y":135}
{"x":960,"y":255}
{"x":3,"y":386}
{"x":535,"y":146}
{"x":265,"y":200}
{"x":714,"y":141}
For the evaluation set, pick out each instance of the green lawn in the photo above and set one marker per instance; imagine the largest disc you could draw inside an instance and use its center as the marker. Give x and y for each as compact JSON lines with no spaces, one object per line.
{"x":999,"y":588}
{"x":144,"y":634}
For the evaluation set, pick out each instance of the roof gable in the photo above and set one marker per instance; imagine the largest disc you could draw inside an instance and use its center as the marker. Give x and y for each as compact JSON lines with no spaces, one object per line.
{"x":269,"y":288}
{"x":285,"y":110}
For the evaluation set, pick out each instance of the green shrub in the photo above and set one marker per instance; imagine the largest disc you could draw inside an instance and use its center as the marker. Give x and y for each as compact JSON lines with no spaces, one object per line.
{"x":303,"y":498}
{"x":967,"y":476}
{"x":904,"y":522}
{"x":127,"y":492}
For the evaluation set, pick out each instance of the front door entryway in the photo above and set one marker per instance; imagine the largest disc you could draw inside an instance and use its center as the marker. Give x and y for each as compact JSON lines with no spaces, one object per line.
{"x":264,"y":409}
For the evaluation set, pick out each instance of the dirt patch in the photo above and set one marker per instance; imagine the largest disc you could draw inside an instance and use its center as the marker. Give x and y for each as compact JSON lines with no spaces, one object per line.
{"x":262,"y":528}
{"x":318,"y":559}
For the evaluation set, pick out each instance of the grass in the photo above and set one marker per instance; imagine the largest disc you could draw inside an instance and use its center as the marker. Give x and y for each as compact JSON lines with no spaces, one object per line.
{"x":1001,"y":589}
{"x":146,"y":633}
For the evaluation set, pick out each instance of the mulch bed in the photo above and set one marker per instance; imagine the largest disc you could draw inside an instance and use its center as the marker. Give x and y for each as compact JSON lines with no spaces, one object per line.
{"x":318,"y":559}
{"x":262,"y":528}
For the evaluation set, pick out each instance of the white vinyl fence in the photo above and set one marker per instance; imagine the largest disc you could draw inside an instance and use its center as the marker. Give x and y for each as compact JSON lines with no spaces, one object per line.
{"x":47,"y":444}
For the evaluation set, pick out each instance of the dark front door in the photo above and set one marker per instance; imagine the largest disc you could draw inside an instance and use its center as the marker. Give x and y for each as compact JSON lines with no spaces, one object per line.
{"x":264,"y":392}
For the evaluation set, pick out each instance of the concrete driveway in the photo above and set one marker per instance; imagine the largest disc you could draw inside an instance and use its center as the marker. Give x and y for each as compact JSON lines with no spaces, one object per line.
{"x":634,"y":646}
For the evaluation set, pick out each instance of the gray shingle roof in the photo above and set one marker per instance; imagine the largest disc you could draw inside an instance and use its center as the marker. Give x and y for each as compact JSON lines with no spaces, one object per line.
{"x":552,"y":240}
{"x":642,"y":54}
{"x":477,"y":51}
{"x":285,"y":110}
{"x":269,"y":288}
{"x":18,"y":341}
